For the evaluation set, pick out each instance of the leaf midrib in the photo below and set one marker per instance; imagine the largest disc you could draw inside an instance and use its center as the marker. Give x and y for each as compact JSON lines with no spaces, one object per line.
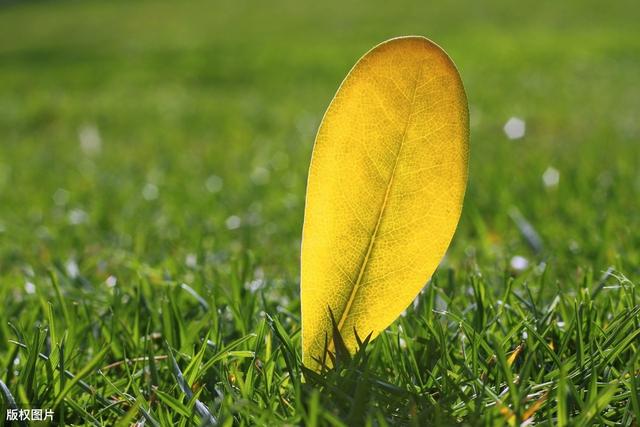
{"x":363,"y":266}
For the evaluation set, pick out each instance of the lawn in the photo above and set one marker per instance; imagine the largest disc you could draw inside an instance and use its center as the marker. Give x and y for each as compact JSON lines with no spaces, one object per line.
{"x":153,"y":161}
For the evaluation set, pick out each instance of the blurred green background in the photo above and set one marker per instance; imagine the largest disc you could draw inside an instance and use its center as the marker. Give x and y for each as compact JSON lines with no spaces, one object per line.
{"x":169,"y":142}
{"x":155,"y":129}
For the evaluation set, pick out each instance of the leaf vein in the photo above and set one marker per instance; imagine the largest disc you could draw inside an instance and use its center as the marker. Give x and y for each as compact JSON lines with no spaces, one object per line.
{"x":363,"y":266}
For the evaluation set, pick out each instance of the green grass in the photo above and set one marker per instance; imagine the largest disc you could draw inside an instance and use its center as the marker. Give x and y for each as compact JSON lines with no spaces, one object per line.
{"x":156,"y":279}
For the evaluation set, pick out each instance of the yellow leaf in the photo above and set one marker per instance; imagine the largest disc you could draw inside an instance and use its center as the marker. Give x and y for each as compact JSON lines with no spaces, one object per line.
{"x":531,"y":411}
{"x":512,"y":358}
{"x":385,"y":190}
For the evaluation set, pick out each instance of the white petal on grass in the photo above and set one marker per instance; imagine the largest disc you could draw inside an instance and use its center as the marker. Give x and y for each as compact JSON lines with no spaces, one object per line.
{"x":255,"y":285}
{"x":519,"y":263}
{"x":514,"y":128}
{"x":258,"y":281}
{"x":111,"y":281}
{"x":150,"y":191}
{"x":30,"y":288}
{"x":213,"y":184}
{"x":540,"y":268}
{"x":191,"y":260}
{"x":90,"y":140}
{"x":77,"y":216}
{"x":551,"y":177}
{"x":72,"y":268}
{"x":233,"y":222}
{"x":61,"y":197}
